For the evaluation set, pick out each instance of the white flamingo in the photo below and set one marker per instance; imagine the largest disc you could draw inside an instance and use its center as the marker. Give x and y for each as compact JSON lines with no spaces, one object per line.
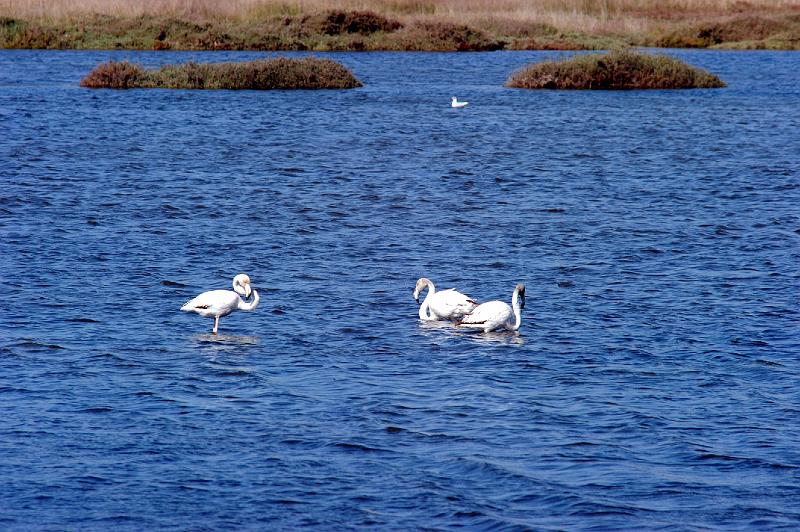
{"x":494,"y":315}
{"x":456,"y":104}
{"x":445,"y":305}
{"x":218,"y":303}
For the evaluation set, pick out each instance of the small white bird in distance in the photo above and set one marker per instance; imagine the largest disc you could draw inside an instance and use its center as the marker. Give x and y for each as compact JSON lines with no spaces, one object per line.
{"x":456,"y":104}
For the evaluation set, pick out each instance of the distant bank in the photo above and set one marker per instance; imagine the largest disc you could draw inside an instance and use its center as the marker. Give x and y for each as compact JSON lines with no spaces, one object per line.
{"x":403,"y":25}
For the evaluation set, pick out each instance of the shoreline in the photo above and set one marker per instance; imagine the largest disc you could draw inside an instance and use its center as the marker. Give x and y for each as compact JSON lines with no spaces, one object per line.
{"x":759,"y":27}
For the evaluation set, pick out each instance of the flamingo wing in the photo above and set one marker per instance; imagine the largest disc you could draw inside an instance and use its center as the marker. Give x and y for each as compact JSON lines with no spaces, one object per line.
{"x":487,"y":316}
{"x":451,"y":304}
{"x":213,"y":303}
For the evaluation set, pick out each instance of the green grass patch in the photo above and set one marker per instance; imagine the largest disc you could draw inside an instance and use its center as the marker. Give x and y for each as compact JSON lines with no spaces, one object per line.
{"x":621,"y":69}
{"x":279,"y":73}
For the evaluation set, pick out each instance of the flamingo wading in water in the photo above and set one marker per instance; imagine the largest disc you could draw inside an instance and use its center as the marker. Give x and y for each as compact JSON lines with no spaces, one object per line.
{"x":494,"y":315}
{"x":218,"y":303}
{"x":445,"y":305}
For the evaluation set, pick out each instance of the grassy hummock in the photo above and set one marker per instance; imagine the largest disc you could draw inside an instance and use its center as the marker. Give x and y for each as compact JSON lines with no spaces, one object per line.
{"x":618,"y":70}
{"x":279,"y":73}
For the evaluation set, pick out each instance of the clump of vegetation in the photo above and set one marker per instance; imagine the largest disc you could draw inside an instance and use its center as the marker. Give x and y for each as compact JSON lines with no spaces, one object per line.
{"x":278,"y":73}
{"x":114,"y":75}
{"x":337,"y":22}
{"x":728,"y":33}
{"x":526,"y":35}
{"x":333,"y":30}
{"x":567,"y":41}
{"x":621,"y":69}
{"x":443,"y":37}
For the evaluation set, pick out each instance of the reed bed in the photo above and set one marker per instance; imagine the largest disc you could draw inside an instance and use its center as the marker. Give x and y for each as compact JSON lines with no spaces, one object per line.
{"x":517,"y":24}
{"x":450,"y":10}
{"x":618,"y":70}
{"x":279,"y":73}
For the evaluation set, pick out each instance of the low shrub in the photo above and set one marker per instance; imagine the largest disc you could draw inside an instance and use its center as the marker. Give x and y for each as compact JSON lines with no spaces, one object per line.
{"x":706,"y":34}
{"x":621,"y":69}
{"x":278,"y":73}
{"x":114,"y":75}
{"x":442,"y":37}
{"x":566,"y":42}
{"x":363,"y":22}
{"x":789,"y":40}
{"x":23,"y":34}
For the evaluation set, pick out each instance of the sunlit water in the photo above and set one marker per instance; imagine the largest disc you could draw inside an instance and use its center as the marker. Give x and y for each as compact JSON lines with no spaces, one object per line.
{"x":655,"y":382}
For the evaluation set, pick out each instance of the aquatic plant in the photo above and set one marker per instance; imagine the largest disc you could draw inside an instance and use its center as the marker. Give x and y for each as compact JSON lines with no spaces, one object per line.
{"x":277,"y":73}
{"x":620,"y":69}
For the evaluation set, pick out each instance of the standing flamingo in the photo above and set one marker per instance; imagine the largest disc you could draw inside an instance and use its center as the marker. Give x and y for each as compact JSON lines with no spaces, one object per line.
{"x":218,"y":303}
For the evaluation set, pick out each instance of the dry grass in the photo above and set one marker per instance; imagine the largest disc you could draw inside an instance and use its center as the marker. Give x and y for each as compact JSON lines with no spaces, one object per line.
{"x":579,"y":15}
{"x":619,"y":70}
{"x":237,"y":7}
{"x":520,"y":23}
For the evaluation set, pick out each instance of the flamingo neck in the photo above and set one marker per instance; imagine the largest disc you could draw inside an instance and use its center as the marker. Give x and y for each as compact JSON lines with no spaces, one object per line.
{"x":424,"y":308}
{"x":516,"y":309}
{"x":244,"y":305}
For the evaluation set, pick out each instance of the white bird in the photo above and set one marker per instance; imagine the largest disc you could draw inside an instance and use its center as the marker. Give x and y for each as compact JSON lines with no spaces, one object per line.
{"x":218,"y":303}
{"x":455,"y":103}
{"x":494,"y":315}
{"x":445,"y":305}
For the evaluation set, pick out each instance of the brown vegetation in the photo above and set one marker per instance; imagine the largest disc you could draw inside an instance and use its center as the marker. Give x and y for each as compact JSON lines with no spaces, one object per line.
{"x":279,"y":73}
{"x":442,"y":36}
{"x":338,"y":22}
{"x":621,"y":69}
{"x":398,"y":24}
{"x":761,"y":32}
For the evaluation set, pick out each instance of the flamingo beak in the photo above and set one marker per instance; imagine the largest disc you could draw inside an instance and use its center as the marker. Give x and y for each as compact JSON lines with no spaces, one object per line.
{"x":247,"y":290}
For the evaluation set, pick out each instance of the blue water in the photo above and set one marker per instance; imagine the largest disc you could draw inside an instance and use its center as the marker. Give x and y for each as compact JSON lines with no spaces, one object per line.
{"x":654,"y":384}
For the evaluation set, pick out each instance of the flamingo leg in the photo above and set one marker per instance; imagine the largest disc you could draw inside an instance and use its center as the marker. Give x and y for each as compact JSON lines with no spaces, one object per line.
{"x":216,"y":324}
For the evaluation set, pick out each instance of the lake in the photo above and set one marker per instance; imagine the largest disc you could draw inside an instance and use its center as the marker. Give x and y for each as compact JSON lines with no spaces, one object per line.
{"x":654,"y":383}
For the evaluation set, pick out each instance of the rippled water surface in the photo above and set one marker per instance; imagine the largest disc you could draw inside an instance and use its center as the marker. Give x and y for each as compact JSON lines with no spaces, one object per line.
{"x":655,"y":382}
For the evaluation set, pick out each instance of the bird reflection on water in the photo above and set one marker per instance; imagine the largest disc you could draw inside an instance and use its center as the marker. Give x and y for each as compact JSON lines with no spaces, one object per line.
{"x":445,"y":329}
{"x":226,"y":339}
